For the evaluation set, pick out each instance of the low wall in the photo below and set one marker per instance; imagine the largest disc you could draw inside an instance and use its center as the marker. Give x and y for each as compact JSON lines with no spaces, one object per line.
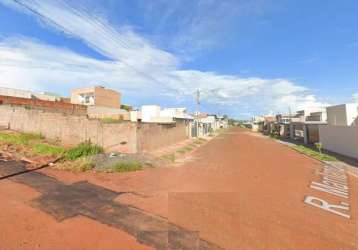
{"x":340,"y":139}
{"x":70,"y":129}
{"x":152,"y":136}
{"x":125,"y":136}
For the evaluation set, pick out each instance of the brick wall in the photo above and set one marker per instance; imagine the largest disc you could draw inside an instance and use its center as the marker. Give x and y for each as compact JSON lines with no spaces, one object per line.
{"x":70,"y":129}
{"x":55,"y":106}
{"x":152,"y":136}
{"x":126,"y":137}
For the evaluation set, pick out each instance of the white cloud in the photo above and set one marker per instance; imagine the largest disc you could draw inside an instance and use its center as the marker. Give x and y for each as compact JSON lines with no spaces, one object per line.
{"x":120,"y":44}
{"x":203,"y":24}
{"x":31,"y":64}
{"x":355,"y":98}
{"x":136,"y":68}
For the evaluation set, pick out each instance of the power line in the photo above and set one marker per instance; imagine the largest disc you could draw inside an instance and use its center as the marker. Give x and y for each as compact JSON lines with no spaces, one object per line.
{"x":124,"y":45}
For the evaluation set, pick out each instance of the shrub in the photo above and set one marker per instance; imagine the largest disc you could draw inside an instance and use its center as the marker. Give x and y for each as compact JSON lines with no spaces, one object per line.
{"x":83,"y":149}
{"x":319,"y":146}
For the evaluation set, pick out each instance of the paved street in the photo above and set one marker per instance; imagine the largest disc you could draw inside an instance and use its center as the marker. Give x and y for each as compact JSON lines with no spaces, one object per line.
{"x":239,"y":191}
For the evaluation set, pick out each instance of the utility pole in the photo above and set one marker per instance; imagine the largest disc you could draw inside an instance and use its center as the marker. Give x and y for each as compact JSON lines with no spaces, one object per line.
{"x":197,"y":111}
{"x":197,"y":102}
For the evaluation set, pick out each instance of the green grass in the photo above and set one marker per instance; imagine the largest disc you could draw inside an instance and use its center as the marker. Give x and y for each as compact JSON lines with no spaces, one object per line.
{"x":19,"y":139}
{"x":46,"y":149}
{"x":185,"y":149}
{"x":127,"y":166}
{"x":83,"y":149}
{"x":168,"y":157}
{"x":314,"y":153}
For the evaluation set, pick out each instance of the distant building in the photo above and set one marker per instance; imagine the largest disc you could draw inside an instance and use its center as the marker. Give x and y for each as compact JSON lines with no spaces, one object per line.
{"x":343,"y":115}
{"x":319,"y":116}
{"x":154,"y":114}
{"x":135,"y":115}
{"x":284,"y":119}
{"x":212,"y":122}
{"x":46,"y":96}
{"x":96,"y":96}
{"x":174,"y":112}
{"x":150,"y":113}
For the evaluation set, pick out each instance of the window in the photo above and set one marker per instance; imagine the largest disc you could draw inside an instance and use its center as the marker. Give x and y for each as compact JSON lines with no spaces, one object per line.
{"x":87,"y":99}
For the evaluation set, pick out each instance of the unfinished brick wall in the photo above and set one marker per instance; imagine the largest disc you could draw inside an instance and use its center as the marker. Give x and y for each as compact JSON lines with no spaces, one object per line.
{"x":70,"y":129}
{"x":151,"y":136}
{"x":55,"y":106}
{"x":126,"y":137}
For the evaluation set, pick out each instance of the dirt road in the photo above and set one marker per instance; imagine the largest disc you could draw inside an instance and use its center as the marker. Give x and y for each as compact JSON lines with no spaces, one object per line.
{"x":240,"y":191}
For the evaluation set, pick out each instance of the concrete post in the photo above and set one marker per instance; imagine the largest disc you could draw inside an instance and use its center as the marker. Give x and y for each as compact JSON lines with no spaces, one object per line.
{"x":292,"y":131}
{"x":305,"y":134}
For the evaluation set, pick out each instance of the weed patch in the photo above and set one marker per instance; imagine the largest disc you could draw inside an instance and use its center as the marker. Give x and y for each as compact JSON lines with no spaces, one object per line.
{"x":126,"y":166}
{"x":19,"y":139}
{"x":168,"y":157}
{"x":313,"y":153}
{"x":199,"y":141}
{"x":79,"y":165}
{"x":48,"y":150}
{"x":82,"y":150}
{"x":184,"y":150}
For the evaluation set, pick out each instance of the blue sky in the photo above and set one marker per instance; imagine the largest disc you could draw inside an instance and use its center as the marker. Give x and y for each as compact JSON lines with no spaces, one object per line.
{"x":247,"y":57}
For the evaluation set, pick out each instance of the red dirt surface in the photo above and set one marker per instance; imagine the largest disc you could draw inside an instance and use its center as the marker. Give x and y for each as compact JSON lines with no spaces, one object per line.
{"x":241,"y":191}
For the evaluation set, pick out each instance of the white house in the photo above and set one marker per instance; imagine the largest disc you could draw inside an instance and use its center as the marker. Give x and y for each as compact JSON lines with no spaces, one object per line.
{"x":318,"y":116}
{"x":257,"y":123}
{"x":341,"y":133}
{"x":343,"y":115}
{"x":174,"y":113}
{"x":154,"y":113}
{"x":149,"y":112}
{"x":135,"y":115}
{"x":211,"y":120}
